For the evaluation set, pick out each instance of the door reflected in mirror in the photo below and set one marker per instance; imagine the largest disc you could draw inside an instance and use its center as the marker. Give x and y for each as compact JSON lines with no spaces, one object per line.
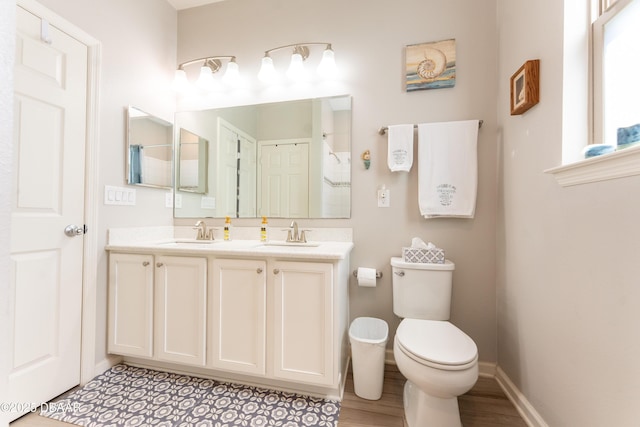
{"x":192,"y":163}
{"x":149,"y":148}
{"x":287,"y":159}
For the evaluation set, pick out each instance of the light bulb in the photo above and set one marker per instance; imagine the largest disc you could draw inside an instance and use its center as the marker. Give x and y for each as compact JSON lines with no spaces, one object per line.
{"x":296,"y":67}
{"x":180,"y":82}
{"x":267,"y":73}
{"x":327,"y":68}
{"x":206,"y":82}
{"x":232,"y":75}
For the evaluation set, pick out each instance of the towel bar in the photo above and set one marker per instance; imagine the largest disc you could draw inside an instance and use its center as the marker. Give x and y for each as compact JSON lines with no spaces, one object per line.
{"x":384,"y":129}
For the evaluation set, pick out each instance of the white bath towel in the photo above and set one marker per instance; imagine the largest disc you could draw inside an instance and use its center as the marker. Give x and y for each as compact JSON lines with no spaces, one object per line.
{"x":448,"y":169}
{"x":400,"y":150}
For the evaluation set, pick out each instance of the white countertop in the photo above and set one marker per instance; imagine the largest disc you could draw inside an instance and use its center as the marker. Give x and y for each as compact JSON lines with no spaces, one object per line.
{"x":163,"y":240}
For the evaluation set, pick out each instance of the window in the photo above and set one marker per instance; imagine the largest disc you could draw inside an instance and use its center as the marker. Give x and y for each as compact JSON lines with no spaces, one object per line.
{"x":616,"y":66}
{"x":614,"y":95}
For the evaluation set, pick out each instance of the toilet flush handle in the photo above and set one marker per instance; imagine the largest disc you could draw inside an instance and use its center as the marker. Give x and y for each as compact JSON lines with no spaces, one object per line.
{"x":399,"y":273}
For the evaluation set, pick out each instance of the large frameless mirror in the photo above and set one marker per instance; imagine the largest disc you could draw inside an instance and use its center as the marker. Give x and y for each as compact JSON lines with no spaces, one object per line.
{"x":286,"y":159}
{"x":149,"y":150}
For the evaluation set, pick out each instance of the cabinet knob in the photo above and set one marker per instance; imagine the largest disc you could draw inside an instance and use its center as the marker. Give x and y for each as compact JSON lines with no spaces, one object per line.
{"x":259,"y":270}
{"x":145,"y":263}
{"x":276,"y":271}
{"x":159,"y":264}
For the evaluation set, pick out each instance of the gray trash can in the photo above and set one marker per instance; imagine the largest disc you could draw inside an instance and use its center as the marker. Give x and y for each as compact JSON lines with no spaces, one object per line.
{"x":368,"y":337}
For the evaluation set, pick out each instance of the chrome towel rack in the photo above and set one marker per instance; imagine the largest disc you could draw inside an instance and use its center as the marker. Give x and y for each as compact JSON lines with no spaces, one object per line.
{"x":384,"y":129}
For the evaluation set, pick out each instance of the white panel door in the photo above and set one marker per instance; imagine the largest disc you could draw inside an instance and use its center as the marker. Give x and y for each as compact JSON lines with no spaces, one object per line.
{"x":247,"y":178}
{"x":303,"y":322}
{"x":227,"y":169}
{"x":237,"y":305}
{"x":131,"y":304}
{"x":283,"y":187}
{"x":180,"y":309}
{"x":236,"y":187}
{"x":48,"y":195}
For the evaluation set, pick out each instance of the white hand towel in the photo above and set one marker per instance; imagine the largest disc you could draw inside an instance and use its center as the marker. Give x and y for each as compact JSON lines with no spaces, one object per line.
{"x":400,"y":150}
{"x":448,"y":169}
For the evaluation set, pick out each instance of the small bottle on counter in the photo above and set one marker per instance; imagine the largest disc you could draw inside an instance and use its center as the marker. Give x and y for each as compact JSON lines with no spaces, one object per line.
{"x":263,"y":229}
{"x":227,"y":227}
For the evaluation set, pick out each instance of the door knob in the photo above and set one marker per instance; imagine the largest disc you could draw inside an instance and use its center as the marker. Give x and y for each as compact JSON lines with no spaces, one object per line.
{"x":73,"y":230}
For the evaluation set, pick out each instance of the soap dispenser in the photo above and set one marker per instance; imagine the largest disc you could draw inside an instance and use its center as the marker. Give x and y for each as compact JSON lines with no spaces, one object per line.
{"x":227,"y":226}
{"x":263,"y":229}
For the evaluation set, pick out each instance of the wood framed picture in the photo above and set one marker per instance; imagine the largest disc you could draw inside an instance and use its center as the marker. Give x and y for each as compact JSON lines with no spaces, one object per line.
{"x":525,"y":87}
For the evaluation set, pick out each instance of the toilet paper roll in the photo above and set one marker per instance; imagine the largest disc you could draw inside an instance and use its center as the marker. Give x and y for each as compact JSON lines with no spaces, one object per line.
{"x":366,"y":277}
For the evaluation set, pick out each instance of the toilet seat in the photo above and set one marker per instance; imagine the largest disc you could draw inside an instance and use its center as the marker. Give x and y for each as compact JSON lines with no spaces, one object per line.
{"x":436,"y":343}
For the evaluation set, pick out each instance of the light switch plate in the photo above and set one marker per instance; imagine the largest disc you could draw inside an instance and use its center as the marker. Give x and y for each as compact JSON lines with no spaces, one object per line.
{"x":119,"y":196}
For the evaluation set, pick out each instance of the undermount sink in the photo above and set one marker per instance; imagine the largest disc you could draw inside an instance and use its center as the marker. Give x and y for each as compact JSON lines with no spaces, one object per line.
{"x":180,"y":242}
{"x":292,"y":244}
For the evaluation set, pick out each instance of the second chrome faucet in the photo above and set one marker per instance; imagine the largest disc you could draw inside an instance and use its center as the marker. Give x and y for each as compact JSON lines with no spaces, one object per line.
{"x":204,"y":232}
{"x":294,"y":235}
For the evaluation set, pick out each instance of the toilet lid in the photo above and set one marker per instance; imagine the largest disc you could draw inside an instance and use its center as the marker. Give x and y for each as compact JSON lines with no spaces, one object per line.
{"x":436,"y":341}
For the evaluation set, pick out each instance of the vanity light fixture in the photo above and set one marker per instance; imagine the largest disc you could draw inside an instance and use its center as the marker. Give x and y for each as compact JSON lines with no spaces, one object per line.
{"x":210,"y":66}
{"x":296,"y":70}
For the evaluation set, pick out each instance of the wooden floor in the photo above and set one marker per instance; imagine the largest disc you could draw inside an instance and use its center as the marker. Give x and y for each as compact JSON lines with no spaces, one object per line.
{"x":484,"y":406}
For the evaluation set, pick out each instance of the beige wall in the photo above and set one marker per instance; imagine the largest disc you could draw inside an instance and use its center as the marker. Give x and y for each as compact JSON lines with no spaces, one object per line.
{"x":138,"y":45}
{"x":369,"y":42}
{"x":568,"y":294}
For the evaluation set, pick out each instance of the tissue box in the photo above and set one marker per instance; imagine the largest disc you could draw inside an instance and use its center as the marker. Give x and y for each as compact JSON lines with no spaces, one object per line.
{"x":429,"y":256}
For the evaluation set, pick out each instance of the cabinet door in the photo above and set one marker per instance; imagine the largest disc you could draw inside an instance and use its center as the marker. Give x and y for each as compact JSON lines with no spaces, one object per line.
{"x":180,"y":321}
{"x":237,"y":326}
{"x":131,"y":304}
{"x":303,"y":322}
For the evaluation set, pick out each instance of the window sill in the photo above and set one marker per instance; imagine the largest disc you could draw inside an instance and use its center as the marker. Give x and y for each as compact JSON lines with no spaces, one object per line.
{"x":618,"y":164}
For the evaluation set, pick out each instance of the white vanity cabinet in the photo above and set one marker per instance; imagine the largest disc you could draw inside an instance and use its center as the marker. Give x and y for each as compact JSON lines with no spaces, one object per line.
{"x":130,"y":329}
{"x":180,"y":309}
{"x":241,"y":311}
{"x":157,"y":307}
{"x":303,"y":322}
{"x":237,"y":315}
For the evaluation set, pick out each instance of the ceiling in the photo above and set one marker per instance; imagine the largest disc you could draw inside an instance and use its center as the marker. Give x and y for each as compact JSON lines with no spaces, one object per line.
{"x":186,"y":4}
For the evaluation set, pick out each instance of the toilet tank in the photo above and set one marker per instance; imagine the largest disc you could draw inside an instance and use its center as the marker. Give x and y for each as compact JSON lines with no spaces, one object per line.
{"x":422,"y":291}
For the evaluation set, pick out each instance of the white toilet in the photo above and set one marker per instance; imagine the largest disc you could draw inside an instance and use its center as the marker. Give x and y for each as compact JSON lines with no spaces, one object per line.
{"x":439,"y":361}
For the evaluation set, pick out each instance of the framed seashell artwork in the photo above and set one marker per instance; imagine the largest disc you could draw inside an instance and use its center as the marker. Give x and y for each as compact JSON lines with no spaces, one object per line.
{"x":431,"y":65}
{"x":525,"y":87}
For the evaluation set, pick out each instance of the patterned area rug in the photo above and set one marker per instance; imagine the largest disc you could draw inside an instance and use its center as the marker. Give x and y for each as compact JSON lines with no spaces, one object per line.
{"x":130,"y":396}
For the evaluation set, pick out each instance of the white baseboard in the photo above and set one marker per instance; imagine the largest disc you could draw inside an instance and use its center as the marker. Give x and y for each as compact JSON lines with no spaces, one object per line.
{"x":487,"y":369}
{"x":526,"y":410}
{"x":105,"y":364}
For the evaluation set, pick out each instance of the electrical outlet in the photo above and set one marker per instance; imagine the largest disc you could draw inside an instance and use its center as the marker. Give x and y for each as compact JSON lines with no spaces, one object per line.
{"x":384,"y":200}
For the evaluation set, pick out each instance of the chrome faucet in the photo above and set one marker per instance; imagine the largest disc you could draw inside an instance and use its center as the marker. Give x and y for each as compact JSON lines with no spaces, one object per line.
{"x":294,"y":235}
{"x":204,"y":233}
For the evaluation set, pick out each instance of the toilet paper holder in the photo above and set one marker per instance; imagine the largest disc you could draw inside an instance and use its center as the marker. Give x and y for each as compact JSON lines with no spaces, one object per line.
{"x":378,"y":274}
